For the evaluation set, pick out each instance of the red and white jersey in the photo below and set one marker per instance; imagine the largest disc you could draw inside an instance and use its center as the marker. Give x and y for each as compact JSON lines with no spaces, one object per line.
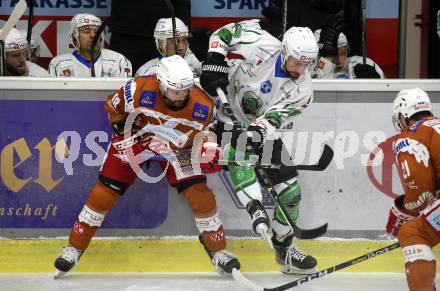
{"x":150,"y":67}
{"x":34,"y":70}
{"x":417,"y":152}
{"x":108,"y":64}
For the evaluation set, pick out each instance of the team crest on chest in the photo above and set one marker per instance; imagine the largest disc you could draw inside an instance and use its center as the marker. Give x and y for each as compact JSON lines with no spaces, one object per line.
{"x":266,"y":87}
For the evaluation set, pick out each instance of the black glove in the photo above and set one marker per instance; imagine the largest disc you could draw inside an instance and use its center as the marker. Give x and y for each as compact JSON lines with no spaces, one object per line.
{"x":214,"y":73}
{"x":328,"y":40}
{"x":364,"y":71}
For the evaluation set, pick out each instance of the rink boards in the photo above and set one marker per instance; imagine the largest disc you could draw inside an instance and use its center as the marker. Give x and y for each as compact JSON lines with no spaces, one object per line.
{"x":41,"y":194}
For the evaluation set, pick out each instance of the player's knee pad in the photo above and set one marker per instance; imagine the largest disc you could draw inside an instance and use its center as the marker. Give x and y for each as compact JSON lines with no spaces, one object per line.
{"x":200,"y":198}
{"x":245,"y":184}
{"x":289,"y":197}
{"x":101,"y":200}
{"x":417,"y":252}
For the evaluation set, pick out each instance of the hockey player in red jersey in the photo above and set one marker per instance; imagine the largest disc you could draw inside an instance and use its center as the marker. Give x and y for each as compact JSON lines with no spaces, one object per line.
{"x":415,"y":216}
{"x":174,"y":114}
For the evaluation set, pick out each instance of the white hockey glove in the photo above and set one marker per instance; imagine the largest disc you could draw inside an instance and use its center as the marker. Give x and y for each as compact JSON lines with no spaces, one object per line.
{"x":260,"y":221}
{"x":264,"y":131}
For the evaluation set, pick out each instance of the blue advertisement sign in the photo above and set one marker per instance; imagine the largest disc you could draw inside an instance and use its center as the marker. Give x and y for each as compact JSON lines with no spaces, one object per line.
{"x":36,"y":190}
{"x":61,"y":7}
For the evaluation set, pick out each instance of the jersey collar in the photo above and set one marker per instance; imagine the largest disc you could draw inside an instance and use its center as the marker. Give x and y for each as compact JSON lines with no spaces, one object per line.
{"x":279,"y":72}
{"x":82,"y":60}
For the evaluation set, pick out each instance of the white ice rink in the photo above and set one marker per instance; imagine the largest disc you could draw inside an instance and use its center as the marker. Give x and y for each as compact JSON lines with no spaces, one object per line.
{"x":195,"y":281}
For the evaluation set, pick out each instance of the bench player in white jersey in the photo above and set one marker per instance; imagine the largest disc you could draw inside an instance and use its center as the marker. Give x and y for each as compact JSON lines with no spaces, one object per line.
{"x":16,"y":50}
{"x":108,"y":63}
{"x":268,"y":89}
{"x":165,"y":43}
{"x":340,"y":66}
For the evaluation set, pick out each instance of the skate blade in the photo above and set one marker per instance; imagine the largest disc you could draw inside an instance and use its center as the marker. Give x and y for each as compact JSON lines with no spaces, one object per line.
{"x":59,"y":274}
{"x":296,"y":271}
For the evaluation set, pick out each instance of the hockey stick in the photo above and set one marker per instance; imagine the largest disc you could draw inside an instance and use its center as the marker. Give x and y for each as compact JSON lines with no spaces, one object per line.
{"x":245,"y":282}
{"x":173,"y":21}
{"x":12,"y":20}
{"x":364,"y":38}
{"x":322,"y":164}
{"x":264,"y":179}
{"x":93,"y":47}
{"x":29,"y":23}
{"x":324,"y":161}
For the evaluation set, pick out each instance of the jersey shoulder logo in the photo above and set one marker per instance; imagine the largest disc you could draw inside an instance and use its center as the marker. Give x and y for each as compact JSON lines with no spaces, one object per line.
{"x":413,"y":147}
{"x":148,"y":98}
{"x":200,"y":112}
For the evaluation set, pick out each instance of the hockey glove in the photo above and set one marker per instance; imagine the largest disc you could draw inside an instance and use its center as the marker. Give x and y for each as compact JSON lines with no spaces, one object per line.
{"x":364,"y":71}
{"x":261,"y":131}
{"x":209,"y":155}
{"x":397,"y":217}
{"x":328,"y":40}
{"x":214,"y":73}
{"x":260,"y":221}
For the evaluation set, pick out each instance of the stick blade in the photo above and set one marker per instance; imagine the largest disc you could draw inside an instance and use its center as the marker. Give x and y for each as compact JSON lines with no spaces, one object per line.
{"x":18,"y":11}
{"x":245,"y":282}
{"x":310,"y":233}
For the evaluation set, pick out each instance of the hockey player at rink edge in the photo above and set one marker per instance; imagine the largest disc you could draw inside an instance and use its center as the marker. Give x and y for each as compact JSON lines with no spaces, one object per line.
{"x":108,"y":63}
{"x":334,"y":61}
{"x":168,"y":103}
{"x":414,"y":217}
{"x":16,"y":52}
{"x":267,"y":91}
{"x":165,"y":44}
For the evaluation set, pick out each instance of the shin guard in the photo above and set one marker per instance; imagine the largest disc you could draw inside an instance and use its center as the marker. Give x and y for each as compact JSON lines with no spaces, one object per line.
{"x":101,"y":199}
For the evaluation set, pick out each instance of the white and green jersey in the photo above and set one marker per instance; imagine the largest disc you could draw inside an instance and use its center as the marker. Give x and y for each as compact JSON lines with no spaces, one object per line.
{"x":258,"y":86}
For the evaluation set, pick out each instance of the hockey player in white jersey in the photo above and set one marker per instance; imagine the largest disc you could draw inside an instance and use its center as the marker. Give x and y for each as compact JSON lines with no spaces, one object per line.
{"x":270,"y":87}
{"x":16,"y":50}
{"x":108,"y":63}
{"x":165,"y":43}
{"x":340,"y":66}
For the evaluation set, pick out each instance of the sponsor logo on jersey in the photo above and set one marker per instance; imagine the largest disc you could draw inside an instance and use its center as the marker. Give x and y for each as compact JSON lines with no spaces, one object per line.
{"x":400,"y":144}
{"x":129,"y":89}
{"x":215,"y":44}
{"x":321,"y":65}
{"x":148,"y":99}
{"x":200,"y":112}
{"x":266,"y":87}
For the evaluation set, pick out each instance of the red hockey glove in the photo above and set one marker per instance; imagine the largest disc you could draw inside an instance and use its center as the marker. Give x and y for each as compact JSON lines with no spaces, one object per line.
{"x":397,"y":217}
{"x":209,"y":155}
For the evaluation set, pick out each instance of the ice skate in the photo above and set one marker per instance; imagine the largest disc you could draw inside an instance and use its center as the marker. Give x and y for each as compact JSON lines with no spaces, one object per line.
{"x":292,"y":259}
{"x":224,"y":262}
{"x":68,"y":258}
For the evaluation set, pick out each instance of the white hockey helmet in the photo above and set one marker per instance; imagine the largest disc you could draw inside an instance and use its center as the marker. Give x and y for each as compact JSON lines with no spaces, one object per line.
{"x":164,"y":31}
{"x":81,"y":20}
{"x":164,"y":28}
{"x":174,"y":73}
{"x":15,"y":41}
{"x":407,"y":103}
{"x":300,"y":43}
{"x":342,"y":39}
